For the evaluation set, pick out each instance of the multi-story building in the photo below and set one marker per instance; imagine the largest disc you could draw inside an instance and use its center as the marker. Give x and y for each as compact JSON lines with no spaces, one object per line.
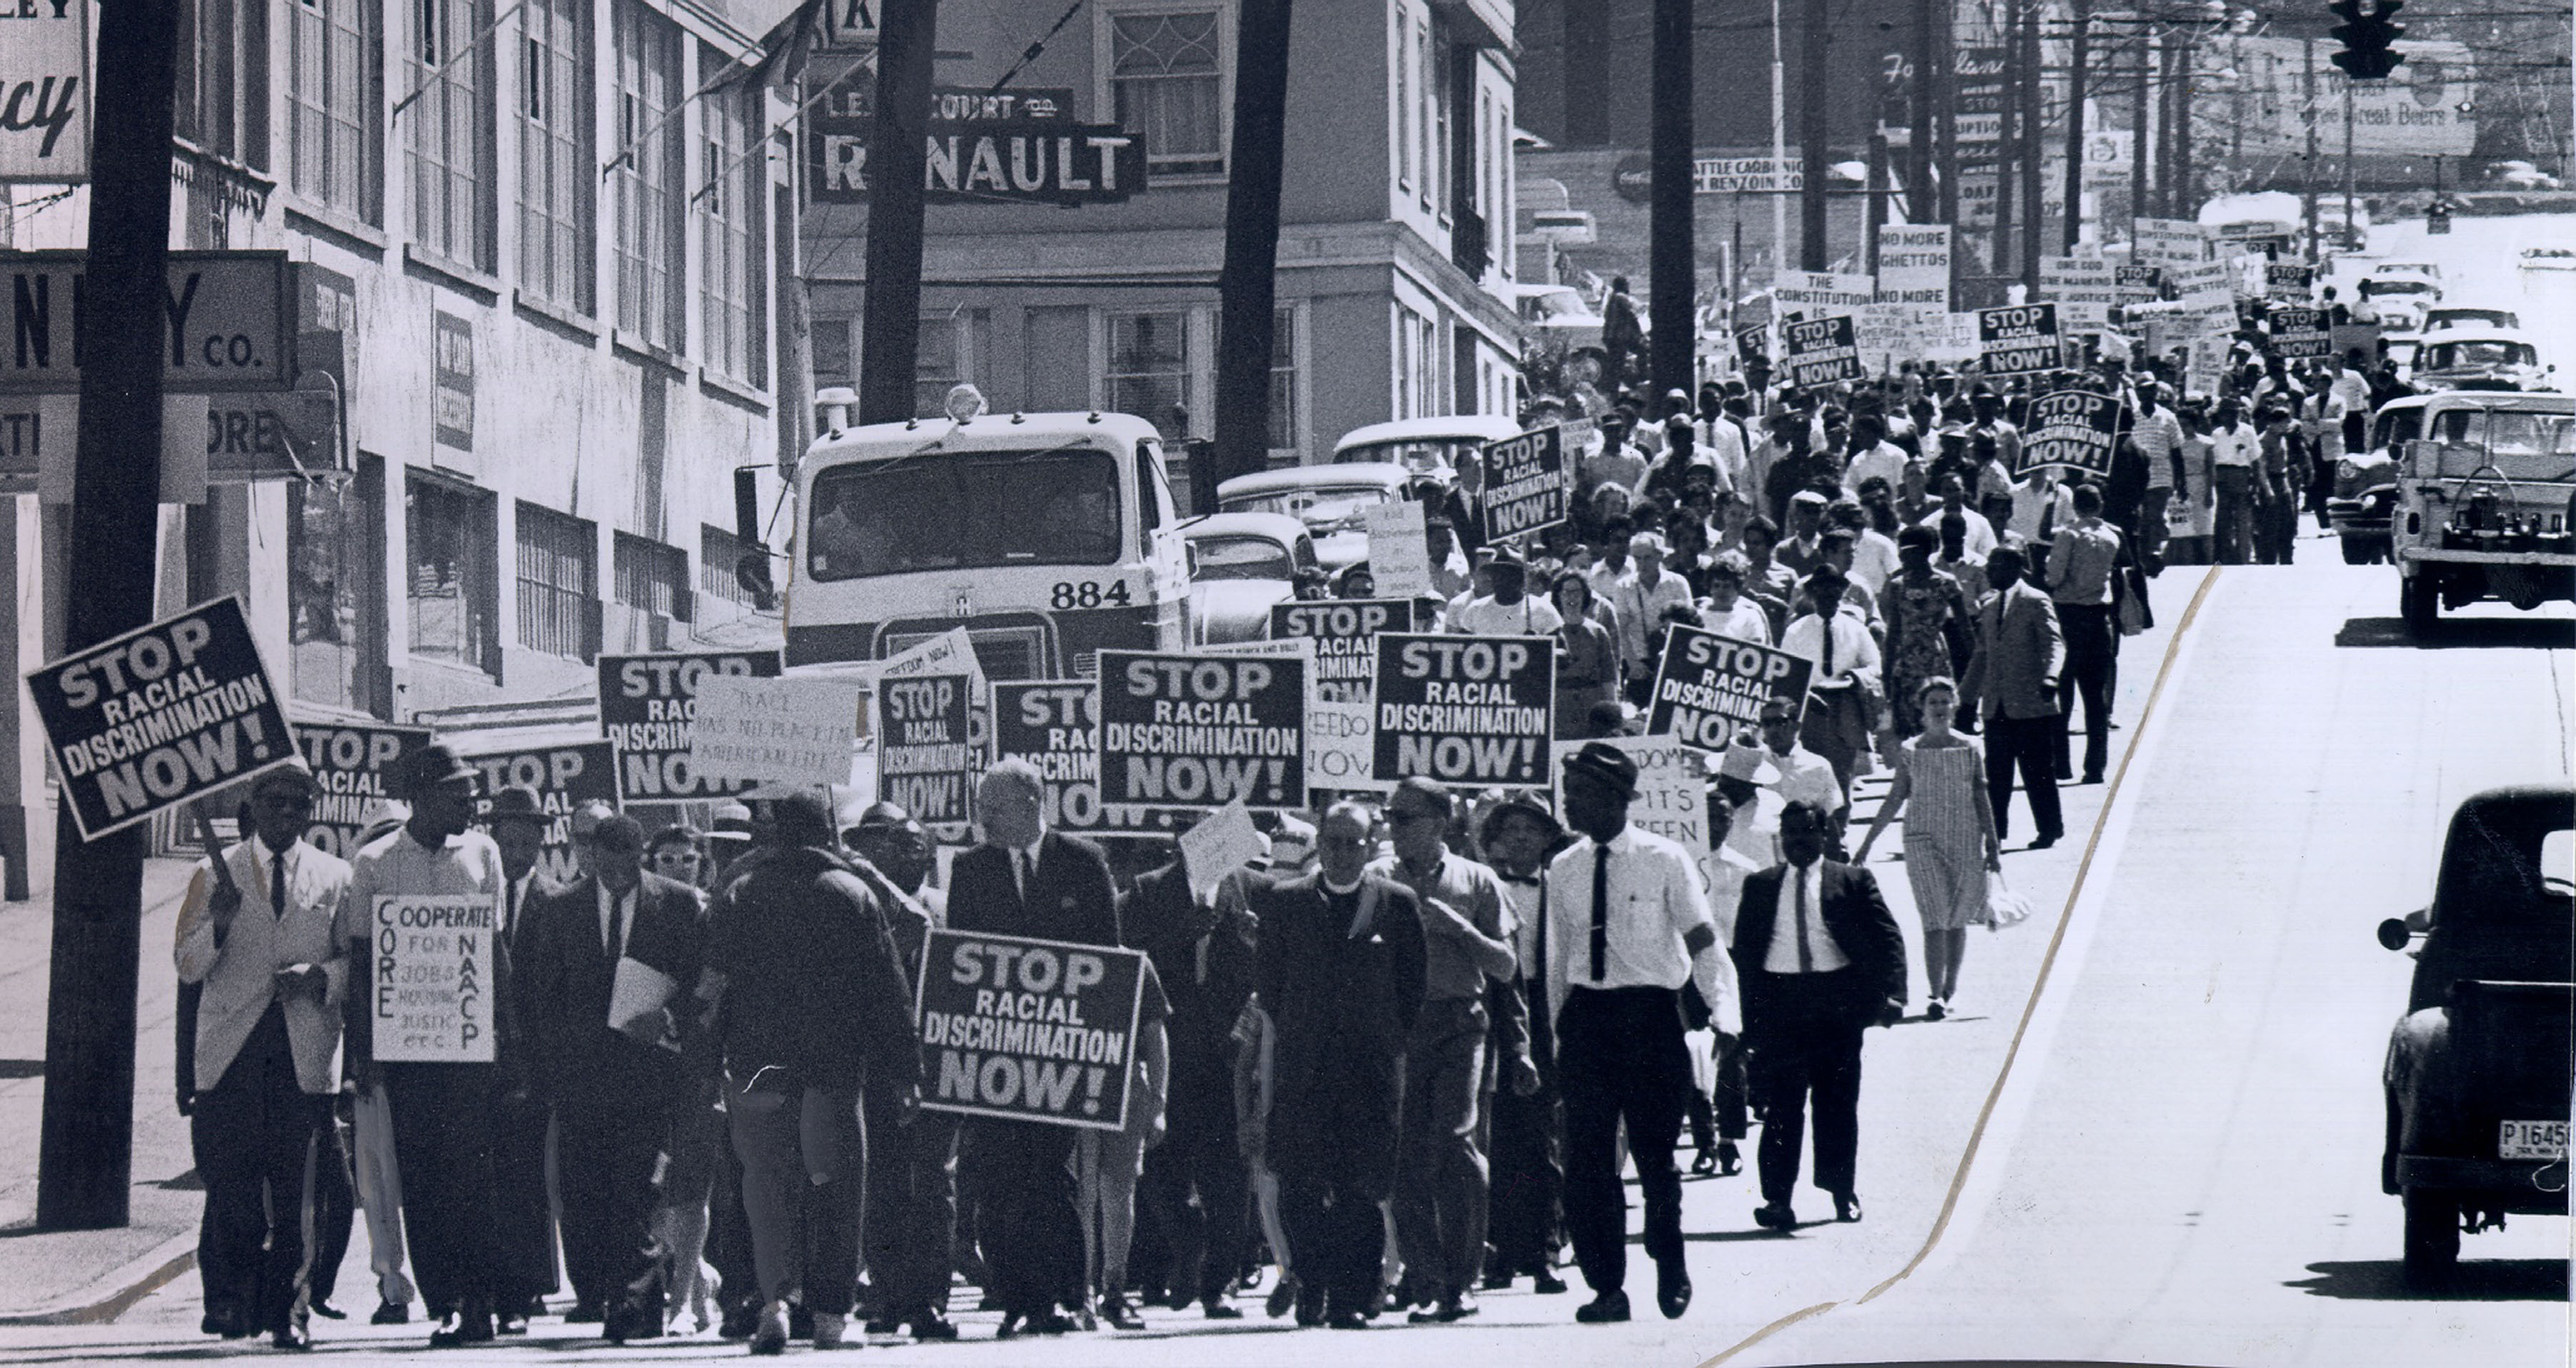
{"x":1395,"y":264}
{"x":537,"y":260}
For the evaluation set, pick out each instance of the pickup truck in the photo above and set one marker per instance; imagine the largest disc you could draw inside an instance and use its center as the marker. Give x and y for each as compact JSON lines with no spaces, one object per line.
{"x":2485,"y":503}
{"x":2478,"y":1070}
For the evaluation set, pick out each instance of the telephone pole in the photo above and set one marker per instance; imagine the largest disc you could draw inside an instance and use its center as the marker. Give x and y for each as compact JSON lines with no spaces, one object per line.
{"x":2075,"y":123}
{"x":1812,"y":76}
{"x":1673,"y":286}
{"x":1247,"y":282}
{"x":890,"y":315}
{"x":2034,"y":139}
{"x":85,"y":1153}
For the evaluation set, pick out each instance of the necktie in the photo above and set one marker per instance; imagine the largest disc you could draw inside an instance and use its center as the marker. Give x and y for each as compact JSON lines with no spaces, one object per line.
{"x":277,"y":884}
{"x":510,"y":923}
{"x":1600,"y":912}
{"x":1806,"y":955}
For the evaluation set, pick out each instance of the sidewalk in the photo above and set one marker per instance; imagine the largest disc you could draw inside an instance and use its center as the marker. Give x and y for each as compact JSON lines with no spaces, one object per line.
{"x":89,"y":1275}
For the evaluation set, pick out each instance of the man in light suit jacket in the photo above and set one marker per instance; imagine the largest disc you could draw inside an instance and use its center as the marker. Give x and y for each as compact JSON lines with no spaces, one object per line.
{"x":1819,"y":960}
{"x":2020,"y":651}
{"x":610,"y":1066}
{"x":260,"y":942}
{"x":1027,"y":881}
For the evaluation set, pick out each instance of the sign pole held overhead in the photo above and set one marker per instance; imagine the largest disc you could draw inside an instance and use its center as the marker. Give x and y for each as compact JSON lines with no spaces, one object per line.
{"x":85,"y":1156}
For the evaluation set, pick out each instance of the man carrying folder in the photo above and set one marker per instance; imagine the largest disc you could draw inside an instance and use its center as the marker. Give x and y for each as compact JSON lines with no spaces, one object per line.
{"x":603,"y":962}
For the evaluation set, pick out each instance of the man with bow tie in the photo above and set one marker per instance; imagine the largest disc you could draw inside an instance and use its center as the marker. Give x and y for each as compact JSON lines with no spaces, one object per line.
{"x":1025,"y":880}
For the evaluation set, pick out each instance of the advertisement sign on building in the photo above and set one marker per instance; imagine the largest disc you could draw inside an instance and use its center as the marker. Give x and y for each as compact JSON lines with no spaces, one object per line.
{"x":230,"y":323}
{"x":45,"y":94}
{"x":983,"y":147}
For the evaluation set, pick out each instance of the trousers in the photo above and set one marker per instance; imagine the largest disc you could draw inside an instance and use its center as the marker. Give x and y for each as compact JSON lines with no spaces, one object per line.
{"x":1195,"y":1186}
{"x":377,"y":1176}
{"x":2029,"y":743}
{"x":2092,"y":645}
{"x":1806,"y":1057}
{"x":1441,"y":1175}
{"x":911,"y":1227}
{"x":1621,"y":1057}
{"x":804,"y":1192}
{"x":1526,"y":1202}
{"x":2235,"y":486}
{"x":1028,"y":1215}
{"x":1339,"y":1236}
{"x":610,"y":1155}
{"x":526,"y":1212}
{"x":259,"y":1142}
{"x":446,"y":1129}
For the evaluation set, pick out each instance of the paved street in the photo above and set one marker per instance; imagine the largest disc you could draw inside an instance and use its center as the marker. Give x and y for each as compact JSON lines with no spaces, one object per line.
{"x":2182,"y":1164}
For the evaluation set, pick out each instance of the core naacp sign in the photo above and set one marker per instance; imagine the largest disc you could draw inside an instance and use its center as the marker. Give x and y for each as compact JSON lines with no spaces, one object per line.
{"x":1202,"y":731}
{"x":1030,"y":1030}
{"x":159,"y":716}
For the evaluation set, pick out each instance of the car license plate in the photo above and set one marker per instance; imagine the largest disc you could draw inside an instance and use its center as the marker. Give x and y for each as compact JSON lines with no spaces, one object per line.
{"x":2544,"y":1140}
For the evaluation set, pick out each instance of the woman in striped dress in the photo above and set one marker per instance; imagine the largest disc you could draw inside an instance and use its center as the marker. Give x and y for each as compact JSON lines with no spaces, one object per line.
{"x":1950,"y":841}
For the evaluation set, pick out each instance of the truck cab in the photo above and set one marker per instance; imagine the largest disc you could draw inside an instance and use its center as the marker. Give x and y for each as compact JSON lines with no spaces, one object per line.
{"x":2485,"y":503}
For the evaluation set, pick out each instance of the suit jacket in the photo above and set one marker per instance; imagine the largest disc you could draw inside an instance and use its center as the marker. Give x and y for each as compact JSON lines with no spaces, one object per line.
{"x":1855,"y":915}
{"x":2020,"y":651}
{"x":240,"y":978}
{"x":1070,"y":897}
{"x":565,"y":977}
{"x":1342,"y":1008}
{"x":1201,"y":953}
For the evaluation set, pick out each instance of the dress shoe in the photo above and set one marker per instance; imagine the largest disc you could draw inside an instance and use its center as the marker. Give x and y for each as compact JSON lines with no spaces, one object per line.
{"x":1310,"y":1307}
{"x":461,"y":1328}
{"x":1347,"y":1320}
{"x":1458,"y":1306}
{"x":1609,"y":1308}
{"x":1672,"y":1289}
{"x":2093,"y":779}
{"x":391,"y":1313}
{"x":1775,"y":1216}
{"x":1282,"y":1298}
{"x":1547,"y":1284}
{"x":1115,"y":1310}
{"x":1935,"y":1010}
{"x":933,"y":1326}
{"x":1218,"y":1308}
{"x":2044,"y":840}
{"x":881,"y":1326}
{"x":227,"y":1322}
{"x":584,"y":1313}
{"x":1010,"y":1327}
{"x":1050,"y":1322}
{"x":293,"y":1338}
{"x":509,"y":1323}
{"x":536,"y":1306}
{"x":1423,"y":1315}
{"x":1730,"y":1161}
{"x":800,"y":1322}
{"x":741,"y":1320}
{"x":1846,"y":1207}
{"x":831,"y":1329}
{"x":769,"y":1335}
{"x":329,"y":1312}
{"x":618,"y":1327}
{"x":1705,"y":1165}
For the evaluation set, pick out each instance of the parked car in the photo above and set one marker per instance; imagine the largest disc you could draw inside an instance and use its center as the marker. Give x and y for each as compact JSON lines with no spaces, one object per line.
{"x":2442,"y":316}
{"x":1332,"y":502}
{"x":2365,"y":487}
{"x":1241,"y":564}
{"x":2478,"y":359}
{"x":2549,"y":258}
{"x":2477,"y":1071}
{"x":1427,"y":447}
{"x":2486,"y":504}
{"x":2520,"y":175}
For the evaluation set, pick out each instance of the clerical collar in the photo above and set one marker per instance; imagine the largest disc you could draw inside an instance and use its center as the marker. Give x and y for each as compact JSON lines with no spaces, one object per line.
{"x":1342,"y":890}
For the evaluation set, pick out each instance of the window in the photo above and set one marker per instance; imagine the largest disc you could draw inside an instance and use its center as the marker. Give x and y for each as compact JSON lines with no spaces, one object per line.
{"x":556,"y":165}
{"x":221,"y":101}
{"x":950,"y":352}
{"x":1403,"y":103}
{"x":335,"y":598}
{"x":966,"y":511}
{"x":454,"y":606}
{"x":829,"y":341}
{"x":647,"y":178}
{"x":1435,"y":126}
{"x":729,"y":209}
{"x":451,"y":135}
{"x":653,"y":578}
{"x":1417,"y":373}
{"x":558,"y":583}
{"x":1149,"y":369}
{"x":1240,"y":558}
{"x":334,"y":106}
{"x":1167,"y":84}
{"x":1283,"y":380}
{"x":719,"y":552}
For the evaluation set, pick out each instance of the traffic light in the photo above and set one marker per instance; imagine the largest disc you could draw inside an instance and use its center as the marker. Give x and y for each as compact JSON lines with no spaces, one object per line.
{"x":2366,"y":34}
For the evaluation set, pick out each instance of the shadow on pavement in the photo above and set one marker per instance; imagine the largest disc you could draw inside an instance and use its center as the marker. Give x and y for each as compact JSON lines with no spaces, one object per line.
{"x":2476,"y":1280}
{"x":2556,"y":634}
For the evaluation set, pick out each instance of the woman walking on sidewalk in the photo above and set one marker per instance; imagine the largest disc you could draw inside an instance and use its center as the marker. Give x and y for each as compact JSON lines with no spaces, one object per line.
{"x":1950,"y":841}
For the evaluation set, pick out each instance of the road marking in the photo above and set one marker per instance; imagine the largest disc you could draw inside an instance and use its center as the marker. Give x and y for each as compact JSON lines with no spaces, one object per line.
{"x":2039,"y":988}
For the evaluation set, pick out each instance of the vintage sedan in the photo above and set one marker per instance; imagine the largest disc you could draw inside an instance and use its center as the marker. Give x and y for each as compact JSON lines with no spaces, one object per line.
{"x":2479,"y":359}
{"x":1332,"y":501}
{"x":1431,"y":448}
{"x":2477,"y":1073}
{"x":1241,"y":564}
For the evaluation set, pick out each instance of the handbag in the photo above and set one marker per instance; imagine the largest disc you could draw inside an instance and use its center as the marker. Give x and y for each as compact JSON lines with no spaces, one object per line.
{"x":2004,"y":907}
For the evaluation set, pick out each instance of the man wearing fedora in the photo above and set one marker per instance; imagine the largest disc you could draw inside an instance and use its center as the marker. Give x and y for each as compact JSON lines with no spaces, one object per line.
{"x":1628,"y":926}
{"x":260,"y":942}
{"x":446,"y":1116}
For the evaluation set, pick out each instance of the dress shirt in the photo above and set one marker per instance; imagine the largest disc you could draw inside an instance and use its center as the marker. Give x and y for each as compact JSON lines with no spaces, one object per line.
{"x":1532,"y":616}
{"x":2080,"y":561}
{"x":1525,"y":897}
{"x":1853,"y":650}
{"x":1726,"y":869}
{"x":2351,"y":393}
{"x":1641,"y":608}
{"x":2158,"y":436}
{"x":1885,"y":461}
{"x":1873,"y":560}
{"x":1755,"y":835}
{"x":1804,"y":775}
{"x":1724,"y":443}
{"x":1623,"y":467}
{"x":2041,"y":506}
{"x":1449,"y":967}
{"x":1823,"y":953}
{"x":1978,"y":541}
{"x":2232,"y":446}
{"x":616,"y":920}
{"x":467,"y":865}
{"x":514,"y":900}
{"x":1655,"y":901}
{"x":1744,"y":620}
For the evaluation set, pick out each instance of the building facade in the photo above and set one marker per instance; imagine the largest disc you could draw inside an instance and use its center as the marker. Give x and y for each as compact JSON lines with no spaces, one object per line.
{"x":1395,"y":263}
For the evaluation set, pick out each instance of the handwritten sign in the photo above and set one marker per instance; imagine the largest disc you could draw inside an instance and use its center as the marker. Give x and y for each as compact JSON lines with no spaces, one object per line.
{"x":1399,"y":553}
{"x":433,"y":979}
{"x":787,"y":731}
{"x":1219,"y":845}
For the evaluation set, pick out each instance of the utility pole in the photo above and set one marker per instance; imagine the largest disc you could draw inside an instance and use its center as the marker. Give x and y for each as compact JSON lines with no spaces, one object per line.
{"x":1671,"y":266}
{"x":1945,"y":117}
{"x":2347,"y":153}
{"x":1779,"y":145}
{"x":2075,"y":125}
{"x":2308,"y":102}
{"x":1246,"y":286}
{"x":1919,"y":121}
{"x":890,"y":316}
{"x":2141,"y":130}
{"x":2009,"y":147}
{"x":85,"y":1153}
{"x":2034,"y":138}
{"x":1812,"y":76}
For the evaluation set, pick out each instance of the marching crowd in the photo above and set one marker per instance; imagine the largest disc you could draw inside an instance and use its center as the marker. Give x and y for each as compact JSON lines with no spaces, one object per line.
{"x":1398,"y":1061}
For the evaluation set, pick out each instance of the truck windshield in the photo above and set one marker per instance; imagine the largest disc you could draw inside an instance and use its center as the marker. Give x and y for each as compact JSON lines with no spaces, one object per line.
{"x":964,"y":510}
{"x":2522,"y":446}
{"x":2446,"y":355}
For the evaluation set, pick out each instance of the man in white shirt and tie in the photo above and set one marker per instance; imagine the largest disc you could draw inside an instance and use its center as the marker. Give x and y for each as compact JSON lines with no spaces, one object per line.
{"x":1628,"y":926}
{"x":1821,"y":961}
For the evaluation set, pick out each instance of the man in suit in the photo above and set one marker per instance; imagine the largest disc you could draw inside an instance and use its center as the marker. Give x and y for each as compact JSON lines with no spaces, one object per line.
{"x":1027,"y":881}
{"x":517,"y":820}
{"x":1340,"y":971}
{"x":2013,"y":674}
{"x":259,"y":941}
{"x":604,"y":961}
{"x":1820,"y":961}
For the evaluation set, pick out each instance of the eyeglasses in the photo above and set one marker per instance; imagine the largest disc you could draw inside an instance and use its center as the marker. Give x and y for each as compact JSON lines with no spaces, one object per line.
{"x":677,"y":857}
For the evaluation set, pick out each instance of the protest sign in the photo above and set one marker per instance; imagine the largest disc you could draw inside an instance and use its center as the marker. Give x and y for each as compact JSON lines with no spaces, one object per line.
{"x":1464,"y":709}
{"x":1817,"y":291}
{"x":2205,"y":365}
{"x":1672,"y":790}
{"x":2301,"y":332}
{"x":1753,"y":344}
{"x":647,"y":708}
{"x":2083,"y":316}
{"x":1914,"y":264}
{"x":2288,"y":281}
{"x":1054,"y":724}
{"x":2070,"y":279}
{"x":1821,"y":351}
{"x":1883,"y":334}
{"x":1202,"y":730}
{"x":2020,"y":339}
{"x":1399,"y":556}
{"x":1956,"y":341}
{"x":2348,"y":337}
{"x":2076,"y":429}
{"x":785,"y":731}
{"x":2140,"y":282}
{"x":352,"y":767}
{"x":1711,"y":686}
{"x":2201,"y":278}
{"x":2172,"y":241}
{"x":1029,"y":1030}
{"x":161,"y":715}
{"x":1528,"y":484}
{"x":1345,"y":633}
{"x":565,"y":777}
{"x":433,"y":978}
{"x":1341,"y":747}
{"x":1223,"y":842}
{"x":923,"y":763}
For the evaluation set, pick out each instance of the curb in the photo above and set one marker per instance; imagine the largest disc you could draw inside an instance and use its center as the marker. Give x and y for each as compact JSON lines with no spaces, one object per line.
{"x":109,"y":1297}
